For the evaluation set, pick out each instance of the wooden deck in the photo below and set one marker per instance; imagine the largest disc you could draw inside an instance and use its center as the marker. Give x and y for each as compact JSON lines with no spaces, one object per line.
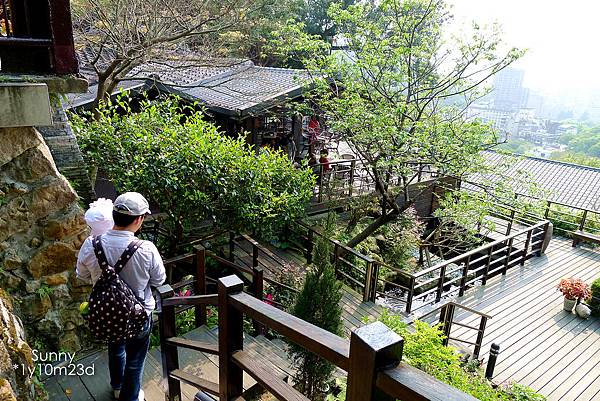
{"x":542,"y":346}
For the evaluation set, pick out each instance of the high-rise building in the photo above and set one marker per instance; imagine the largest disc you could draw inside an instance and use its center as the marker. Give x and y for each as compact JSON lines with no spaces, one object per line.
{"x":508,"y":93}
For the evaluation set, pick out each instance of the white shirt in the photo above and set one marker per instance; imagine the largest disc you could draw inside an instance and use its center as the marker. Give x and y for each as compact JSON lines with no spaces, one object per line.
{"x":145,"y":269}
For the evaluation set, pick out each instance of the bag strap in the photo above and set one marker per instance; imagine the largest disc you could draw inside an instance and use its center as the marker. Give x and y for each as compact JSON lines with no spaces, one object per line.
{"x":99,"y":251}
{"x":127,"y":254}
{"x":123,"y":259}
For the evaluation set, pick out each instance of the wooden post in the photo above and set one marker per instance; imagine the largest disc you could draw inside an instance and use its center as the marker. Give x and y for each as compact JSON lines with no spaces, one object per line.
{"x":254,"y":255}
{"x":352,"y":168}
{"x":231,"y":246}
{"x":448,"y":315}
{"x":508,"y":254}
{"x":411,"y":294}
{"x":310,"y":245}
{"x":494,"y":352}
{"x":527,"y":242}
{"x":479,"y":340}
{"x":168,"y":353}
{"x":320,"y":197}
{"x":583,"y":218}
{"x":463,"y":279}
{"x":510,"y":222}
{"x":368,"y":282}
{"x":487,"y":266}
{"x":257,"y":291}
{"x":200,"y":284}
{"x":547,"y":212}
{"x":373,"y":347}
{"x":231,"y":339}
{"x":440,"y":289}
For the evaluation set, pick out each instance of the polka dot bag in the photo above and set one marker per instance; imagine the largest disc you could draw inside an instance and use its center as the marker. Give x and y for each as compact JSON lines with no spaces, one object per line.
{"x":115,"y":313}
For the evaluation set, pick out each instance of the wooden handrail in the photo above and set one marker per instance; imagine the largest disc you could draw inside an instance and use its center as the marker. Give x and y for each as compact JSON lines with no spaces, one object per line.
{"x":321,"y":342}
{"x":210,"y":299}
{"x":408,"y":383}
{"x":479,"y":249}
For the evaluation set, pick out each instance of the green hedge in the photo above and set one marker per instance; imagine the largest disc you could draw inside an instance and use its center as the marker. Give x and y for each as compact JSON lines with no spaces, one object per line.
{"x":595,"y":301}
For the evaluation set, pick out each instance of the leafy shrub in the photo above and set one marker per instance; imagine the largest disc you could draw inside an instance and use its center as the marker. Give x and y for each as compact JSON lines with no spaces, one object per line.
{"x":423,"y":349}
{"x":595,"y":300}
{"x":192,"y":172}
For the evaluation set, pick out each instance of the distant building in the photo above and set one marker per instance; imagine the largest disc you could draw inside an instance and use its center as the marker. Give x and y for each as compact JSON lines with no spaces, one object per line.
{"x":508,"y":93}
{"x":499,"y":119}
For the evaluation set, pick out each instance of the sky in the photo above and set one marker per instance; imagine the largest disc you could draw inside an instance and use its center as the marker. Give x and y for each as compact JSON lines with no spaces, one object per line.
{"x":563,"y":39}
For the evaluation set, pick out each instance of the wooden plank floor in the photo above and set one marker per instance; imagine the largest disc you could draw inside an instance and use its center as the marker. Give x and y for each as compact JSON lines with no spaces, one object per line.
{"x":542,"y":346}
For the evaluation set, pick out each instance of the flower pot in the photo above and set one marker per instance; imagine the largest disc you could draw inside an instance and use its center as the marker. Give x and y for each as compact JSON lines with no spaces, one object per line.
{"x":569,"y":304}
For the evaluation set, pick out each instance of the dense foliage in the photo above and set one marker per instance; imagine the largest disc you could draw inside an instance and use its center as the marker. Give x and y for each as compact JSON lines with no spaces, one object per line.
{"x":317,"y":303}
{"x":396,"y":94}
{"x":576,"y":158}
{"x":424,"y":350}
{"x":595,"y":299}
{"x":585,"y":142}
{"x":192,"y":172}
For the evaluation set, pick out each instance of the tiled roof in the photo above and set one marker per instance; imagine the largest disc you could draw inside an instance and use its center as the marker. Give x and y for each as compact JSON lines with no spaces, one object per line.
{"x":226,"y":86}
{"x":567,"y":183}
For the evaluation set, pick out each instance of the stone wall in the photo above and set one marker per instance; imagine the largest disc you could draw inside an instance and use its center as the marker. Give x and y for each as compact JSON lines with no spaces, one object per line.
{"x":41,"y":229}
{"x":14,"y":351}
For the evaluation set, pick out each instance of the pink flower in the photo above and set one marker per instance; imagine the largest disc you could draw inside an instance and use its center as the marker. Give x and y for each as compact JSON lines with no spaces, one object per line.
{"x":268,"y":299}
{"x":185,"y":293}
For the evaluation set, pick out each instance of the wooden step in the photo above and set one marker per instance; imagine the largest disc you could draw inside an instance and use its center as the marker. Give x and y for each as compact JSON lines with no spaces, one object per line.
{"x":202,"y":346}
{"x":256,"y":367}
{"x":199,"y":383}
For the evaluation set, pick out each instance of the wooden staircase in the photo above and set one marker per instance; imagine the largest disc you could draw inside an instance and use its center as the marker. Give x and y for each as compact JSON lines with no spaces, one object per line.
{"x":199,"y":369}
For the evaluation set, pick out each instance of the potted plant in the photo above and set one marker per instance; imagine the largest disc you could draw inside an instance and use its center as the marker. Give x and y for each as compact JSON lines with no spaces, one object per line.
{"x":573,"y":289}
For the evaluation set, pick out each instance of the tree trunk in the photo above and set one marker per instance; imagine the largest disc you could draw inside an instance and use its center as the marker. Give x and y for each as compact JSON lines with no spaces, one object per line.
{"x":371,"y":228}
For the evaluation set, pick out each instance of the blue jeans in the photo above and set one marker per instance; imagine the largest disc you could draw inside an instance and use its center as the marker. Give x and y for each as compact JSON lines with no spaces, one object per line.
{"x":126,"y":363}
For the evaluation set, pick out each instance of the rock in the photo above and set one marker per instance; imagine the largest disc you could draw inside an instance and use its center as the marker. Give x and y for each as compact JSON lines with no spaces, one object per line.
{"x":25,"y":210}
{"x":51,"y":324}
{"x":34,"y":306}
{"x":20,"y":140}
{"x":65,"y":224}
{"x":35,"y":242}
{"x":12,"y":261}
{"x":57,"y":279}
{"x":14,"y":350}
{"x":32,"y":286}
{"x":10,"y":280}
{"x":53,"y":258}
{"x":69,"y":342}
{"x":583,"y":311}
{"x":6,"y":393}
{"x":72,"y":316}
{"x":32,"y":165}
{"x":60,"y":296}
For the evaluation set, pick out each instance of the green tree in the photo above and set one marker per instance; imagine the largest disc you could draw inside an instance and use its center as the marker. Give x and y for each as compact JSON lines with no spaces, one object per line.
{"x":318,"y":303}
{"x":191,"y":171}
{"x":397,"y":96}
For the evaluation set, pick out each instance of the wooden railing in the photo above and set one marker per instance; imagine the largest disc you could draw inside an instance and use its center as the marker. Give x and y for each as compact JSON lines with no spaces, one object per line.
{"x":354,"y":269}
{"x":372,"y":356}
{"x":36,"y":37}
{"x":362,"y":272}
{"x":476,"y":265}
{"x":444,"y":315}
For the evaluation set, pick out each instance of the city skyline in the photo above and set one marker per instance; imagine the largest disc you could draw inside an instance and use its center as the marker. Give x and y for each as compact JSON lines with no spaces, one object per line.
{"x":560,"y":60}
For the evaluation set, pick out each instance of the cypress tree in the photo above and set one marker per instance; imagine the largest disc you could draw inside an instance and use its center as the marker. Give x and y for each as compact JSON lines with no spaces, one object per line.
{"x":319,"y":304}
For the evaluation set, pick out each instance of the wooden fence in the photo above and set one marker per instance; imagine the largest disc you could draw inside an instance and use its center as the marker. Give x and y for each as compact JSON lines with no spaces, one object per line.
{"x":432,"y":284}
{"x":372,"y":356}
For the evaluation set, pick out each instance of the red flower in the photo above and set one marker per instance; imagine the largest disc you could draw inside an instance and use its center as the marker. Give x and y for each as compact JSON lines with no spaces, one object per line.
{"x":269,"y":299}
{"x":185,"y":293}
{"x":574,"y":288}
